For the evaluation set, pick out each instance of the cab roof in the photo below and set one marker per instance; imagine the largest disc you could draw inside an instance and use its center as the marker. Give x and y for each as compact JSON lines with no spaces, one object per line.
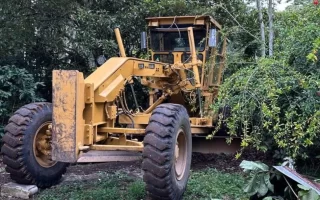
{"x":195,"y":20}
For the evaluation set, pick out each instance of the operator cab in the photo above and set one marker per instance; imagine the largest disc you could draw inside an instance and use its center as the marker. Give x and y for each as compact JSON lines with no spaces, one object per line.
{"x":168,"y":42}
{"x":165,"y":42}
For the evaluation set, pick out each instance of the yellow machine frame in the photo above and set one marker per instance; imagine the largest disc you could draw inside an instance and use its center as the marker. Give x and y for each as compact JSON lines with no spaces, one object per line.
{"x":85,"y":110}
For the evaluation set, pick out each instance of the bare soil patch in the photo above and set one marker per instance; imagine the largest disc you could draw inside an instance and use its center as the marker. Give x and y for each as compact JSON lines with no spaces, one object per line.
{"x":227,"y":163}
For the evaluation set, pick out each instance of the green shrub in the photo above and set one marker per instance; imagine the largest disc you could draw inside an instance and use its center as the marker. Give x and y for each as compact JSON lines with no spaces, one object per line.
{"x":296,"y":32}
{"x":273,"y":101}
{"x":17,"y":87}
{"x":273,"y":106}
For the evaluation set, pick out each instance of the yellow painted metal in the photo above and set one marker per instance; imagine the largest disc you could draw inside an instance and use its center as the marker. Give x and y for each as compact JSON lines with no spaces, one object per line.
{"x":68,"y":105}
{"x":89,"y":95}
{"x":110,"y":78}
{"x":194,"y":57}
{"x":88,"y":134}
{"x":191,"y":20}
{"x":206,"y":122}
{"x":120,"y":44}
{"x":86,"y":110}
{"x":101,"y":137}
{"x":153,"y":106}
{"x":111,"y":111}
{"x":121,"y":130}
{"x":41,"y":146}
{"x":138,"y":119}
{"x":151,"y":97}
{"x":116,"y":148}
{"x":119,"y":143}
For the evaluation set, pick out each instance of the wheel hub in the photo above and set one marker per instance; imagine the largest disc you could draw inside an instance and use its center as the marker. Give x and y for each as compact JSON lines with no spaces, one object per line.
{"x":42,"y":145}
{"x":180,"y":154}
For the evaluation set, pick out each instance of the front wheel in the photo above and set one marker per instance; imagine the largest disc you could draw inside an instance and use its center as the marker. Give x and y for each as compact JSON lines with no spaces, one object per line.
{"x":27,"y":147}
{"x":167,"y":152}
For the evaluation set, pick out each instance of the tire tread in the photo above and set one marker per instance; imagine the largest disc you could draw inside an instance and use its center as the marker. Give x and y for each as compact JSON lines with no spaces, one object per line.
{"x":13,"y":145}
{"x":158,"y":151}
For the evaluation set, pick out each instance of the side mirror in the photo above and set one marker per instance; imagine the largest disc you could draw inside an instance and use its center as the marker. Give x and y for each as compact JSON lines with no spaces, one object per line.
{"x":143,"y":40}
{"x":212,"y":38}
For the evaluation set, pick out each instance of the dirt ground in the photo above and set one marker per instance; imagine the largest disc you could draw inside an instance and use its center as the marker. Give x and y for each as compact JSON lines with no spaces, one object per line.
{"x":221,"y":162}
{"x":4,"y":178}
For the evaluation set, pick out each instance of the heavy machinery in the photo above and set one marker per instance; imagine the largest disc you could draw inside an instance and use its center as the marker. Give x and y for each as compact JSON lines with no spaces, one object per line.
{"x":89,"y":118}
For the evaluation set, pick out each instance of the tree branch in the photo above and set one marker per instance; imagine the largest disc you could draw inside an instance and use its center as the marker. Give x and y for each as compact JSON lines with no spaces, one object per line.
{"x":233,"y":17}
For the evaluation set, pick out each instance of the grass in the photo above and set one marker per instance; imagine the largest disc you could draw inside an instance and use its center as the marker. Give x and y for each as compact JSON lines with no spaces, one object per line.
{"x":206,"y":184}
{"x":212,"y":184}
{"x":111,"y":187}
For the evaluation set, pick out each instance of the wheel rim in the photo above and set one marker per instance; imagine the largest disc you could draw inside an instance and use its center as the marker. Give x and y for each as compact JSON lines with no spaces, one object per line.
{"x":180,"y":154}
{"x":42,"y":146}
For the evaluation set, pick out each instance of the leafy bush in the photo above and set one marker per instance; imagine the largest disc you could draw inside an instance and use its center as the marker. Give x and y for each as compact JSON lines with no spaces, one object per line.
{"x":17,"y":87}
{"x":273,"y":106}
{"x":267,"y":184}
{"x":297,"y":30}
{"x":274,"y":102}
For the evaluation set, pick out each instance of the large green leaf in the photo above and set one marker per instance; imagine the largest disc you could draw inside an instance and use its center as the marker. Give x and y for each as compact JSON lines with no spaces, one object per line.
{"x":252,"y":185}
{"x":268,"y":183}
{"x":253,"y":166}
{"x":257,"y":184}
{"x":303,"y":187}
{"x":308,"y":195}
{"x":263,"y":188}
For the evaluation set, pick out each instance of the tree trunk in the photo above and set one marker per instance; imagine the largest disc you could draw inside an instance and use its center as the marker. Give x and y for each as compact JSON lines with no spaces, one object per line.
{"x":271,"y":31}
{"x":262,"y":34}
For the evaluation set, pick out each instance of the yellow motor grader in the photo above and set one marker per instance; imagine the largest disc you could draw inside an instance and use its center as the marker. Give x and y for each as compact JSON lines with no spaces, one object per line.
{"x":89,"y":119}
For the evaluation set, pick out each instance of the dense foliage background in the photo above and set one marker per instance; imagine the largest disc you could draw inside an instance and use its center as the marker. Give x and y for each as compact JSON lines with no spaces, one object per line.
{"x":273,"y":100}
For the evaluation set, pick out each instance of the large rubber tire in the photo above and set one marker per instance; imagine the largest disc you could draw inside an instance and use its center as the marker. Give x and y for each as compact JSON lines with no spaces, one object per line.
{"x":159,"y":154}
{"x":18,"y":149}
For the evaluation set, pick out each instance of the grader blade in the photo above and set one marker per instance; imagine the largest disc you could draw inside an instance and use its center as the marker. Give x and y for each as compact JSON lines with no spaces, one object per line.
{"x":216,"y":145}
{"x":108,"y":156}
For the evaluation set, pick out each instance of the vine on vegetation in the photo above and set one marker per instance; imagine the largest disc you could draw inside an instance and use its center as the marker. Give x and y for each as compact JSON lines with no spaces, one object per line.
{"x":272,"y":106}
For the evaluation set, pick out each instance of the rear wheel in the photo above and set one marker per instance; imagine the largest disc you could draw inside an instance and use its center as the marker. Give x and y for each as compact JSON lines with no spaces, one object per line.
{"x":27,"y":147}
{"x":167,"y":152}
